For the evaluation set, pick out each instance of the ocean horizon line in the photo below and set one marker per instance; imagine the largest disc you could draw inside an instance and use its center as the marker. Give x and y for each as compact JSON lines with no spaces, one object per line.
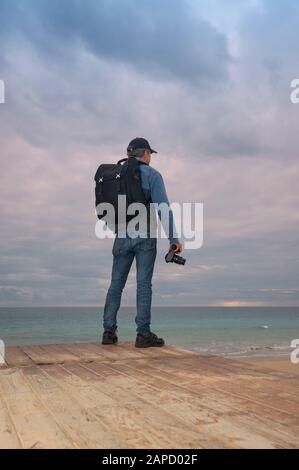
{"x":155,"y":306}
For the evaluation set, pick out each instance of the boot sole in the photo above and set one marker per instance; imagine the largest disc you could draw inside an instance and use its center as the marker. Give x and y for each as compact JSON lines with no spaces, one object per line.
{"x":149,"y":346}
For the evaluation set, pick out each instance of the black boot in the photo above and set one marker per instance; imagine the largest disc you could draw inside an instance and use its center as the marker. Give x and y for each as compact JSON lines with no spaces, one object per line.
{"x":149,"y":341}
{"x":109,"y":338}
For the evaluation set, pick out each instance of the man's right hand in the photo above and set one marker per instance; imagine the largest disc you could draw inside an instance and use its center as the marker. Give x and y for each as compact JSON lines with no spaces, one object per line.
{"x":179,"y":247}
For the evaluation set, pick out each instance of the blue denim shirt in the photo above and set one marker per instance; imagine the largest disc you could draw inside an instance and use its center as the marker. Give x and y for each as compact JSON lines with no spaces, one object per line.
{"x":153,"y":182}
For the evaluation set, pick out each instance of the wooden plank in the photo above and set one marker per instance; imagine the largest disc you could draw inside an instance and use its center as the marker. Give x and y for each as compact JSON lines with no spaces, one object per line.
{"x":128,"y":346}
{"x":221,"y":427}
{"x":275,"y":364}
{"x":8,"y":436}
{"x":111,"y":412}
{"x":86,"y":352}
{"x":124,"y":397}
{"x":165,"y":351}
{"x":35,"y":426}
{"x":251,"y":416}
{"x":231,"y":366}
{"x":239,"y":383}
{"x":59,"y":353}
{"x":38,"y":355}
{"x":77,"y":420}
{"x":235,"y":366}
{"x":196,"y":418}
{"x":157,"y":428}
{"x":264,"y":388}
{"x":15,"y":356}
{"x":113,"y":352}
{"x":12,"y":383}
{"x":190,"y":369}
{"x":49,"y":354}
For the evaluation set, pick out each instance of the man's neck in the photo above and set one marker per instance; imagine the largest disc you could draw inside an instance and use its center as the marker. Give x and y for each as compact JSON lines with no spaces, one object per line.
{"x":141,"y":161}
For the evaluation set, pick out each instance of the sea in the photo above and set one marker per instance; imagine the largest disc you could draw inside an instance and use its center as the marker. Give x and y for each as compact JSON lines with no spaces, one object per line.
{"x":231,"y":332}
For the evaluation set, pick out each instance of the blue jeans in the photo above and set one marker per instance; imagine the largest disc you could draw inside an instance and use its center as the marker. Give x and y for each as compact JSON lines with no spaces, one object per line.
{"x":124,"y":251}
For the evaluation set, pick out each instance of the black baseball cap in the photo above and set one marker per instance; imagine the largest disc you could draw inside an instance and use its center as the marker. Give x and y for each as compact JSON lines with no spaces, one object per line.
{"x":139,"y":143}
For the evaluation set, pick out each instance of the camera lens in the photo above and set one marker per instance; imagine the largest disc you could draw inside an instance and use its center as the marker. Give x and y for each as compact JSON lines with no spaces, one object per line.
{"x":179,"y":260}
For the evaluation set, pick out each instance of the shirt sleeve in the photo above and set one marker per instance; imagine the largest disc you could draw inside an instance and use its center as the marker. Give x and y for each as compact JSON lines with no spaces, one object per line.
{"x":159,"y":196}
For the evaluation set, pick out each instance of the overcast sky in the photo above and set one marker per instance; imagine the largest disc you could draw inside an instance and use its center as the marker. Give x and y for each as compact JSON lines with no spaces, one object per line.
{"x":208,"y":83}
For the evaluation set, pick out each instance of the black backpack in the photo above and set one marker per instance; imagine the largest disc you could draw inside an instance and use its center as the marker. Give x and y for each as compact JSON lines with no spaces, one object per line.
{"x":122,"y":178}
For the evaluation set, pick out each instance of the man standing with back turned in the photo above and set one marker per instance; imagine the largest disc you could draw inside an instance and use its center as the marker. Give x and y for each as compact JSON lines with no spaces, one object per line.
{"x":144,"y":250}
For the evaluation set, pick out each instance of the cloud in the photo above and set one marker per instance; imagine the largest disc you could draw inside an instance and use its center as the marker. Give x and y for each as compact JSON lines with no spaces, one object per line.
{"x":161,"y":39}
{"x":12,"y":293}
{"x":80,"y":84}
{"x":238,"y":303}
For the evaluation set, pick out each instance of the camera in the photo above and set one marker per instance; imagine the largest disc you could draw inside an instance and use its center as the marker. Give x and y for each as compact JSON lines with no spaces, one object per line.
{"x":172,"y":257}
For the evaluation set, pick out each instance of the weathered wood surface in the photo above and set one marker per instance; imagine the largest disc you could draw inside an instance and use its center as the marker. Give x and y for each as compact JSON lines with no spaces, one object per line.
{"x":94,"y":396}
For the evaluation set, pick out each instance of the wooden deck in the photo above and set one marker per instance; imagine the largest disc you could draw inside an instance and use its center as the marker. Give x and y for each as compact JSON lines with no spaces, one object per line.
{"x":91,"y":396}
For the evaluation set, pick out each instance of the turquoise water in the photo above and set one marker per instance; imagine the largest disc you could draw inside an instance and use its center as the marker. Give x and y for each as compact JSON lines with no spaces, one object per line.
{"x":226,"y":331}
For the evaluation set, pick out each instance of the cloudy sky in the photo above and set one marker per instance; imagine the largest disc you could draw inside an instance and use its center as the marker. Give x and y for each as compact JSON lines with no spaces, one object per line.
{"x":208,"y":83}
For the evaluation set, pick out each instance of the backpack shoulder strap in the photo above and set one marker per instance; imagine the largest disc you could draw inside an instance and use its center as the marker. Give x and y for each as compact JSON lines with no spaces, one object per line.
{"x":96,"y":177}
